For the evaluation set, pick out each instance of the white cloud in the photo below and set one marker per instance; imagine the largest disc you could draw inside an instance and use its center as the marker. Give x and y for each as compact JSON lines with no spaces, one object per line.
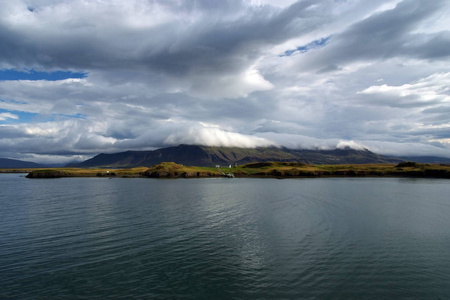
{"x":434,"y":88}
{"x":54,"y":159}
{"x":350,"y":144}
{"x":229,"y":86}
{"x":213,"y":136}
{"x":442,"y":141}
{"x":7,"y":115}
{"x":279,"y":3}
{"x":407,"y":149}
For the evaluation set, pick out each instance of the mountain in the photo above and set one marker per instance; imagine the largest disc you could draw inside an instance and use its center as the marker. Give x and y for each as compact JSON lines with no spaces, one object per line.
{"x":6,"y":163}
{"x":194,"y":155}
{"x":344,"y":156}
{"x":426,"y":159}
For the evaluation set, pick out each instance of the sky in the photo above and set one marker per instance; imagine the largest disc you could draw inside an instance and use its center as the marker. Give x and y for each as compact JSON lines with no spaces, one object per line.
{"x":83,"y":77}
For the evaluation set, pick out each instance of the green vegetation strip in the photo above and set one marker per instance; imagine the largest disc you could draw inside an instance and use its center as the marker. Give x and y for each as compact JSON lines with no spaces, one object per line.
{"x":263,"y":169}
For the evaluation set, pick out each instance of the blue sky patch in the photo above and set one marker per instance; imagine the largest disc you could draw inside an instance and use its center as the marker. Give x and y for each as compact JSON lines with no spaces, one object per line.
{"x":23,"y":117}
{"x":15,"y":117}
{"x":305,"y":48}
{"x":31,"y":74}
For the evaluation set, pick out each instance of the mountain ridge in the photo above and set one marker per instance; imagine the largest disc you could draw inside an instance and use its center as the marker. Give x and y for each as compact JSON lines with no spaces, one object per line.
{"x":196,"y":155}
{"x":7,"y":163}
{"x":426,"y":159}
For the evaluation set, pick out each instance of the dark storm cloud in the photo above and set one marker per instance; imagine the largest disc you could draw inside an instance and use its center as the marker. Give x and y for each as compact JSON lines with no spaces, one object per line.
{"x":176,"y":48}
{"x":7,"y":132}
{"x":386,"y":35}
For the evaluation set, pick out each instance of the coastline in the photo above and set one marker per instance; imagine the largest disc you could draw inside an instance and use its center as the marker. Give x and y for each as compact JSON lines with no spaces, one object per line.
{"x":279,"y":170}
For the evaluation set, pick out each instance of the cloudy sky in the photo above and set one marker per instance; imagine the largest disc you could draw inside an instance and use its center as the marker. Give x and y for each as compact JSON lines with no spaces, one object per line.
{"x":80,"y":77}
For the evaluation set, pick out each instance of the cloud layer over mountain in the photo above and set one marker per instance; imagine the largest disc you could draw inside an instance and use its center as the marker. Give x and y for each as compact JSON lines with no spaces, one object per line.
{"x":311,"y":73}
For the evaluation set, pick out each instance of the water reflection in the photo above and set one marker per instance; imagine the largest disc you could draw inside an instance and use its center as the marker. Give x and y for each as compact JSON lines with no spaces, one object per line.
{"x":221,"y":238}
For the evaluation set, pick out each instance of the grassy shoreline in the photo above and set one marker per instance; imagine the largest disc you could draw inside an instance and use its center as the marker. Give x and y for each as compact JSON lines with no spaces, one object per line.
{"x":264,"y":169}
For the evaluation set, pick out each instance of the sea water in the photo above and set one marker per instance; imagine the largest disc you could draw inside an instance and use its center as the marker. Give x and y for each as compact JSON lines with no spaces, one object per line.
{"x":320,"y":238}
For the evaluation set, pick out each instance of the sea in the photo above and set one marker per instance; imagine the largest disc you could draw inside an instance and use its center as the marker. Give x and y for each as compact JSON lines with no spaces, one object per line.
{"x":223,"y":238}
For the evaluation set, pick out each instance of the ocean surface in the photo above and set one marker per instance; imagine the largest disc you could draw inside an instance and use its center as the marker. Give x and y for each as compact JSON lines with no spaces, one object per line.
{"x":320,"y":238}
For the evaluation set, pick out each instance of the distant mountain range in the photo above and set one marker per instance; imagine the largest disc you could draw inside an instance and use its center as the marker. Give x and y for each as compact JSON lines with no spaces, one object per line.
{"x":6,"y":163}
{"x":194,"y":155}
{"x":427,"y":159}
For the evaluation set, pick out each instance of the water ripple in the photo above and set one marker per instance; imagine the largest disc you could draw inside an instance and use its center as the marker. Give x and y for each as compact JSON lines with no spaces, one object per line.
{"x":230,"y":239}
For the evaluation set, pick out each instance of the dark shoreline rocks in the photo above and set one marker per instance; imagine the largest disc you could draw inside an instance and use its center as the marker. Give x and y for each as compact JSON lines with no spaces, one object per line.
{"x":47,"y":174}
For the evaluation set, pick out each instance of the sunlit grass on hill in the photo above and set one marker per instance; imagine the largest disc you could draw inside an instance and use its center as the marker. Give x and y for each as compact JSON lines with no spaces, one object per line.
{"x":263,"y":169}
